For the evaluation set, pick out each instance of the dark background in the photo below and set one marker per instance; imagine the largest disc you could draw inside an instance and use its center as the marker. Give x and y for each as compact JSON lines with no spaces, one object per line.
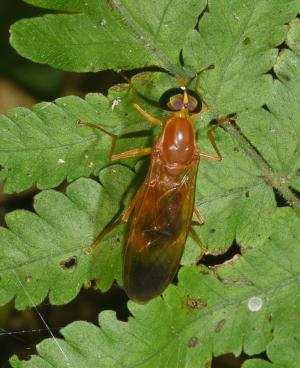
{"x":23,"y":83}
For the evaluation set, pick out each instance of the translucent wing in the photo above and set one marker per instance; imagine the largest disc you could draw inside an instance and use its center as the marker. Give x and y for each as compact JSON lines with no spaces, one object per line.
{"x":159,"y":228}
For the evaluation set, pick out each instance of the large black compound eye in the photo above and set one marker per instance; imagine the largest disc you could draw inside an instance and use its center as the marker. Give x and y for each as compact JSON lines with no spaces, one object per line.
{"x":172,"y":100}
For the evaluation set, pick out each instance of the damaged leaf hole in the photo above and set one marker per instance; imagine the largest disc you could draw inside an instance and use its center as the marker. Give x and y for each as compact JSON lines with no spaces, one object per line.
{"x":69,"y":263}
{"x":213,"y":260}
{"x":230,"y":360}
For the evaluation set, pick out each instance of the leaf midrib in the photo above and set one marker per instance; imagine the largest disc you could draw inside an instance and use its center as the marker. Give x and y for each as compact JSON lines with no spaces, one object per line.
{"x":147,"y":41}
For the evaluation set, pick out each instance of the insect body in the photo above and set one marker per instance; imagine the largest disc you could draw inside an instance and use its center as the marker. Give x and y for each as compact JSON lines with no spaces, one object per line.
{"x":163,"y":207}
{"x":163,"y":210}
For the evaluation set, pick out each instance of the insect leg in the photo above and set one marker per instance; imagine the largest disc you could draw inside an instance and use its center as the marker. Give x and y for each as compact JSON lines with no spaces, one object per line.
{"x":132,"y":153}
{"x":204,"y":104}
{"x":144,"y":113}
{"x":211,"y":135}
{"x":113,"y":136}
{"x":211,"y":66}
{"x":212,"y":140}
{"x":198,"y":240}
{"x":122,"y":219}
{"x":147,"y":116}
{"x":199,"y":216}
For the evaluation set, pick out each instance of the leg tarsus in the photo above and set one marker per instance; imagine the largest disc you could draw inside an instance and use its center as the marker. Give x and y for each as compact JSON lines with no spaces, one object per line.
{"x":199,"y":216}
{"x":122,"y":219}
{"x":94,"y":126}
{"x":198,"y":240}
{"x":102,"y":234}
{"x":132,"y":153}
{"x":211,"y":137}
{"x":147,"y":116}
{"x":144,"y":113}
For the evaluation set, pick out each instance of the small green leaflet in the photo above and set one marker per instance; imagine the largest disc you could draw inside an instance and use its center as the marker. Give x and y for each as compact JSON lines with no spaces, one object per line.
{"x":37,"y":247}
{"x":239,"y":38}
{"x":45,"y":145}
{"x":108,"y":34}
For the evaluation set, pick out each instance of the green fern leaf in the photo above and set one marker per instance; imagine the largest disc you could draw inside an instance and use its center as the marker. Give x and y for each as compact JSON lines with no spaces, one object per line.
{"x":251,"y":305}
{"x":106,"y":35}
{"x":44,"y":252}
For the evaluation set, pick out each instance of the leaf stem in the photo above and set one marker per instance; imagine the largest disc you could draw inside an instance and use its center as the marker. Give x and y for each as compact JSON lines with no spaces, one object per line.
{"x":277,"y":182}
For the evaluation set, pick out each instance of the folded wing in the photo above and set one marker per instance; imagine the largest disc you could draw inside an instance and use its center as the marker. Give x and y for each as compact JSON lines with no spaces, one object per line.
{"x":159,"y":228}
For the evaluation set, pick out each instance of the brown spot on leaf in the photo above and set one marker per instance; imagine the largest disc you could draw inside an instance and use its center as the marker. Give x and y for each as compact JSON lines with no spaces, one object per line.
{"x":220,"y":325}
{"x":69,"y":263}
{"x":193,"y":341}
{"x":195,"y":303}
